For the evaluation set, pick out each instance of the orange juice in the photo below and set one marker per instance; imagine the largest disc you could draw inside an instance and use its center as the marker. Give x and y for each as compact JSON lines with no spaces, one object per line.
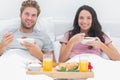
{"x":83,"y":66}
{"x":47,"y":65}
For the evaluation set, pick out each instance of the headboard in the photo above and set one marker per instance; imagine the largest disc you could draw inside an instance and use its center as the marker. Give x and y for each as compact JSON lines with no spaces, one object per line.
{"x":111,"y":28}
{"x":56,"y":28}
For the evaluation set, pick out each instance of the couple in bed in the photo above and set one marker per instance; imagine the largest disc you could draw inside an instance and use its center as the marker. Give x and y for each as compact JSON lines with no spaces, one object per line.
{"x":85,"y":25}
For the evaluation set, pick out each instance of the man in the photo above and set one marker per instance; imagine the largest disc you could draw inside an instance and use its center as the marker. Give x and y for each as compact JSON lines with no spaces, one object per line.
{"x":29,"y":13}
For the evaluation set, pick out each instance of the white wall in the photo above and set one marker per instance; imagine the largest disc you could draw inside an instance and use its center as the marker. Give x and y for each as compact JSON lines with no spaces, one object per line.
{"x":64,"y":10}
{"x":9,"y":9}
{"x":107,"y":10}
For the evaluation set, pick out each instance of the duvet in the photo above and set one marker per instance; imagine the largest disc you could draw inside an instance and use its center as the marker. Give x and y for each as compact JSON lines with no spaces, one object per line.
{"x":13,"y":66}
{"x":103,"y":69}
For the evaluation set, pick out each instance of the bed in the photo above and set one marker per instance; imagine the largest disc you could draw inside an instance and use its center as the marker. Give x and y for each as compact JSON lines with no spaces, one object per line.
{"x":13,"y":62}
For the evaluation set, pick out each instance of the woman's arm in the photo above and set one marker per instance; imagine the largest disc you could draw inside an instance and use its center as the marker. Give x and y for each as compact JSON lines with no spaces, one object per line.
{"x":111,"y":51}
{"x":66,"y":48}
{"x":65,"y":51}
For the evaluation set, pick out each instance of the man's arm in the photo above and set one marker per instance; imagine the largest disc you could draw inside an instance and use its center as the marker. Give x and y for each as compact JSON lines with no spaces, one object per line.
{"x":1,"y":49}
{"x":6,"y":40}
{"x":35,"y":51}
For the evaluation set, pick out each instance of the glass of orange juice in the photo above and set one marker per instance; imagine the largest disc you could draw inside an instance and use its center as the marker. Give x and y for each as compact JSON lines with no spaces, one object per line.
{"x":47,"y":62}
{"x":83,"y":65}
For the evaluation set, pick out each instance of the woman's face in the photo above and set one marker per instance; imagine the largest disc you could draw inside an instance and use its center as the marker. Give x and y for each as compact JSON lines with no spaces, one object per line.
{"x":85,"y":20}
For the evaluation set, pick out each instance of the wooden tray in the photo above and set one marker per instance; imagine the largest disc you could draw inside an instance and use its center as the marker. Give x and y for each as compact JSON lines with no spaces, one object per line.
{"x":63,"y":75}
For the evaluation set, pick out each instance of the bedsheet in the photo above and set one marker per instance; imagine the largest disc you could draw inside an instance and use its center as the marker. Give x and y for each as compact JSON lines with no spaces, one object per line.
{"x":103,"y":69}
{"x":13,"y":66}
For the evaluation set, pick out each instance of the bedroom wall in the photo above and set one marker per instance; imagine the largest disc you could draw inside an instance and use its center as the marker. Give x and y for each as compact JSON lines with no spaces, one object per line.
{"x":107,"y":10}
{"x":63,"y":11}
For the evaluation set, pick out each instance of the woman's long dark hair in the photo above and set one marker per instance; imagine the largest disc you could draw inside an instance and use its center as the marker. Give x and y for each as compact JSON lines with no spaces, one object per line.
{"x":95,"y":30}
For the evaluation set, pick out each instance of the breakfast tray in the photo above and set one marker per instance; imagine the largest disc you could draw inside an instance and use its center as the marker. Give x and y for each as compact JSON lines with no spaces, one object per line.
{"x":63,"y":75}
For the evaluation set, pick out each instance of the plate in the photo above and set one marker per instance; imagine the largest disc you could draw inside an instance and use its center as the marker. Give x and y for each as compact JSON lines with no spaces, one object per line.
{"x":67,"y":67}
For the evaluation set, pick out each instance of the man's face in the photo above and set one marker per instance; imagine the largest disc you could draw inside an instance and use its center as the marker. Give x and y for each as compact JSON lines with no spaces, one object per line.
{"x":28,"y":18}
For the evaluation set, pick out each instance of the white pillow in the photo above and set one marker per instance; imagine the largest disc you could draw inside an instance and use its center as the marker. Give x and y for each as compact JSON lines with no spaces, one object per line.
{"x":57,"y":47}
{"x":6,"y":25}
{"x":108,"y":34}
{"x":116,"y":42}
{"x":59,"y":37}
{"x":46,"y":24}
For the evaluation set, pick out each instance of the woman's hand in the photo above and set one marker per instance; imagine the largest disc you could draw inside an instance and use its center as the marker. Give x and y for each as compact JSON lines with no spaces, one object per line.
{"x":77,"y":38}
{"x":96,"y":43}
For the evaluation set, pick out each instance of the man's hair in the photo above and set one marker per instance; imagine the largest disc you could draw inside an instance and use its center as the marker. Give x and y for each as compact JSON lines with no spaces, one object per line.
{"x":30,"y":3}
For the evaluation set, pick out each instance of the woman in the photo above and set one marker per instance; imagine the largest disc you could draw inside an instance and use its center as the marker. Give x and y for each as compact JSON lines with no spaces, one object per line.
{"x":86,"y":24}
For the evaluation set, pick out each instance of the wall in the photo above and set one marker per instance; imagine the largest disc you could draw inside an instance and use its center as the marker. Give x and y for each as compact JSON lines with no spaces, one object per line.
{"x":64,"y":10}
{"x":9,"y":9}
{"x":107,"y":10}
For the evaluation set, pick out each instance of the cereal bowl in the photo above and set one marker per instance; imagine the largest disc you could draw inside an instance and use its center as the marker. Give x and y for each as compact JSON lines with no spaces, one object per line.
{"x":88,"y":39}
{"x":22,"y":40}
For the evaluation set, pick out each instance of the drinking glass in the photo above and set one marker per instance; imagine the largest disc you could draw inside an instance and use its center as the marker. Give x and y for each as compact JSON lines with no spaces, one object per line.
{"x":83,"y":64}
{"x":47,"y":62}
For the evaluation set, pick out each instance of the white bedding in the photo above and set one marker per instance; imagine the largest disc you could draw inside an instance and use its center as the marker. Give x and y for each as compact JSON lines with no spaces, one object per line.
{"x":13,"y":63}
{"x":103,"y":69}
{"x":13,"y":66}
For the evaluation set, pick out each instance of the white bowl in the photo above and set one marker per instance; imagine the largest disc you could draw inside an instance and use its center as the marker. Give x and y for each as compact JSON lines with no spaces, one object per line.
{"x":88,"y":39}
{"x":31,"y":40}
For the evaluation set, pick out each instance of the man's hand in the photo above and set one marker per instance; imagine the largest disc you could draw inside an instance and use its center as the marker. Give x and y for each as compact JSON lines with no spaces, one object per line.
{"x":30,"y":46}
{"x":7,"y":39}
